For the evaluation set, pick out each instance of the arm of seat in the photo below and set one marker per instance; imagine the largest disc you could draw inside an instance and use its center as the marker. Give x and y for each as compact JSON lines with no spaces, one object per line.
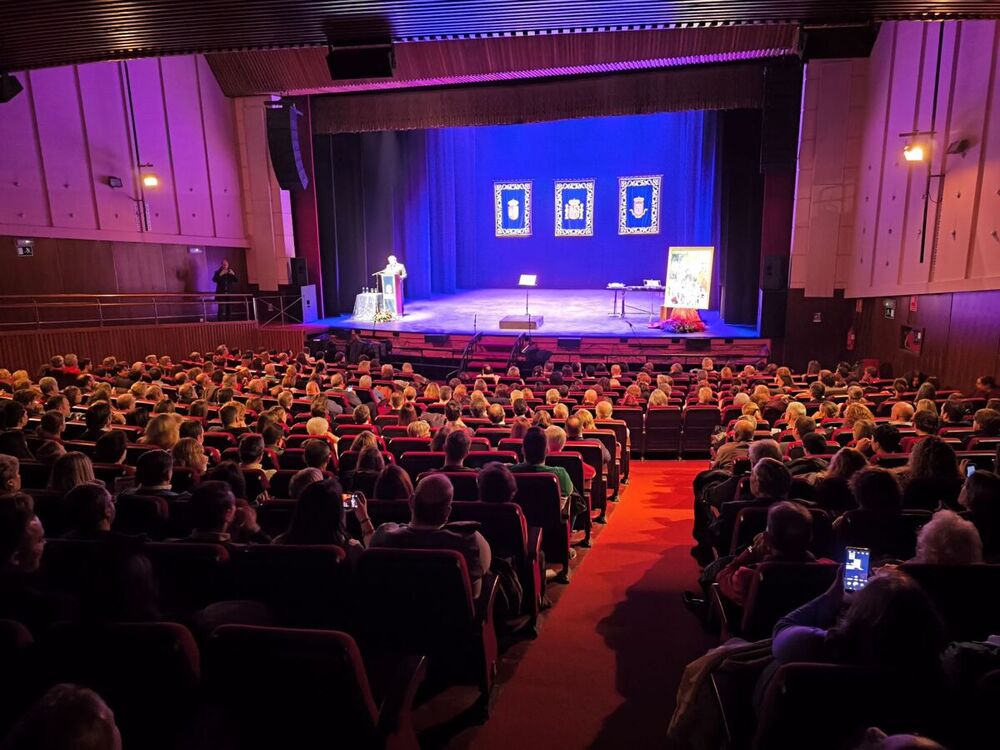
{"x":394,"y":713}
{"x":487,"y":599}
{"x":534,"y":542}
{"x":719,"y":611}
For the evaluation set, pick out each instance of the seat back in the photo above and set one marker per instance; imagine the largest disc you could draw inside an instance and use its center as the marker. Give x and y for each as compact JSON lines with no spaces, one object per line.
{"x":663,"y":429}
{"x":538,"y":496}
{"x":302,"y":688}
{"x":493,"y":434}
{"x":512,"y":445}
{"x":777,"y":589}
{"x":752,"y":521}
{"x":802,"y":697}
{"x":415,"y":601}
{"x":19,"y":671}
{"x":303,"y":585}
{"x":464,"y":484}
{"x":34,"y":475}
{"x":191,"y":575}
{"x":887,"y":535}
{"x":502,"y":524}
{"x":479,"y":459}
{"x":967,"y":596}
{"x":400,"y":445}
{"x":142,"y":514}
{"x":388,"y":511}
{"x":699,"y":423}
{"x":148,"y":673}
{"x":571,"y":460}
{"x":416,"y":463}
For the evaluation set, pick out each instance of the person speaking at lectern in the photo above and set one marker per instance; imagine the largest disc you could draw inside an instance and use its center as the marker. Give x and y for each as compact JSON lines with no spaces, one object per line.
{"x":395,"y":268}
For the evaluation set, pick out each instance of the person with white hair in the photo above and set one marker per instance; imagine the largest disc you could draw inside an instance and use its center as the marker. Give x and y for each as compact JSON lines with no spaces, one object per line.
{"x":948,"y":539}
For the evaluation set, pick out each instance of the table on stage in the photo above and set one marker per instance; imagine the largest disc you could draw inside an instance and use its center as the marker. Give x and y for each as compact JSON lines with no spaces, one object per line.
{"x":367,"y":305}
{"x":623,"y":290}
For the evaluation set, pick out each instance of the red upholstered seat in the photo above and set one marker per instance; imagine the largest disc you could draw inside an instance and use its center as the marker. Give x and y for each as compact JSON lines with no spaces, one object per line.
{"x":421,"y":602}
{"x":304,"y":688}
{"x":400,"y":445}
{"x":699,"y":423}
{"x":416,"y":463}
{"x":538,"y":496}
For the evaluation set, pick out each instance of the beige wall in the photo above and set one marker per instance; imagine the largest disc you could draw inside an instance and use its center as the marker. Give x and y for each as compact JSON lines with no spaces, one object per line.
{"x":850,"y":142}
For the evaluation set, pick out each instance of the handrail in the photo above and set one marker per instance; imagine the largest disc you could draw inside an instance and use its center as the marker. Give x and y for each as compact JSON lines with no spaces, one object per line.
{"x":38,"y":311}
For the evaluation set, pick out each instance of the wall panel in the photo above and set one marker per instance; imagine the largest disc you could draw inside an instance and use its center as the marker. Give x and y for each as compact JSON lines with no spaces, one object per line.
{"x":62,"y":141}
{"x":70,"y":130}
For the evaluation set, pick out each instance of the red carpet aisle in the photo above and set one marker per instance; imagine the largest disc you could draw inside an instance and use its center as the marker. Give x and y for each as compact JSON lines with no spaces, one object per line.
{"x":604,"y":672}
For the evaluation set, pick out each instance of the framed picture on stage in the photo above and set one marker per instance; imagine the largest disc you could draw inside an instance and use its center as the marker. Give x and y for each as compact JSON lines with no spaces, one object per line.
{"x":512,"y":209}
{"x":574,"y":208}
{"x":689,"y":277}
{"x":639,"y":205}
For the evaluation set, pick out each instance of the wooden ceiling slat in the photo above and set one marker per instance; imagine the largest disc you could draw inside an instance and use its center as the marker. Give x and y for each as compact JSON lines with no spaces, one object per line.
{"x":45,"y":33}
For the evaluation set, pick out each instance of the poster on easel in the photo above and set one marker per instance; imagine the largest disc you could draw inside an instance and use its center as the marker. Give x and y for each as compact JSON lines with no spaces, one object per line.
{"x":689,"y":277}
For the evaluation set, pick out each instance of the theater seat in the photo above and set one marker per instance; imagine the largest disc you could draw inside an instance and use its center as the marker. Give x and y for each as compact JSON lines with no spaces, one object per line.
{"x":400,"y":445}
{"x":302,"y":689}
{"x":18,"y":677}
{"x":663,"y":430}
{"x":538,"y":496}
{"x":828,"y":706}
{"x":699,"y":423}
{"x":478,"y":459}
{"x":967,"y":596}
{"x":191,"y":575}
{"x":420,"y":602}
{"x":887,"y":535}
{"x":416,"y":463}
{"x":148,"y":673}
{"x":304,"y":586}
{"x":142,"y":514}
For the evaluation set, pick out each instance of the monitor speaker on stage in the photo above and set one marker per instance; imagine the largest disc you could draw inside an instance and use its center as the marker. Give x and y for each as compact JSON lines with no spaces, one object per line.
{"x":571,"y":345}
{"x":697,"y":345}
{"x":283,"y":144}
{"x":436,"y":339}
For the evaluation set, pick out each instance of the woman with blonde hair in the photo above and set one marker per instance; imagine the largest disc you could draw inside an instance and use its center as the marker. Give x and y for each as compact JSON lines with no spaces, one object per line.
{"x":926,"y":404}
{"x":433,"y":390}
{"x":552,"y":396}
{"x":138,"y":389}
{"x":657,"y":398}
{"x":188,"y":453}
{"x":418,"y":428}
{"x":163,"y":431}
{"x":706,"y":397}
{"x":586,"y":419}
{"x":69,"y":470}
{"x":560,"y":411}
{"x":364,"y":440}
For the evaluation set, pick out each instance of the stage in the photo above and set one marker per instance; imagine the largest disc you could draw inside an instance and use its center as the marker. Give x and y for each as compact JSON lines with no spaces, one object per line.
{"x":584,"y":313}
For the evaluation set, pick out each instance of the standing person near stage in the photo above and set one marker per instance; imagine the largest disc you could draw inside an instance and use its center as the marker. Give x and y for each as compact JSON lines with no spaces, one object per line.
{"x":225,"y":279}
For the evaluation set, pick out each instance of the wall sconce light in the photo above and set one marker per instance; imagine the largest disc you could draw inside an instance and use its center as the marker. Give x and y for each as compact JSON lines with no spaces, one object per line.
{"x":959,"y":147}
{"x":914,"y":152}
{"x":115,"y":182}
{"x":150,"y":181}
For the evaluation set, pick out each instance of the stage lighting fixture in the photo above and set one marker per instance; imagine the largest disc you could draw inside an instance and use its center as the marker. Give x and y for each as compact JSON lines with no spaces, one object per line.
{"x":913,"y":152}
{"x":9,"y":87}
{"x":150,"y":181}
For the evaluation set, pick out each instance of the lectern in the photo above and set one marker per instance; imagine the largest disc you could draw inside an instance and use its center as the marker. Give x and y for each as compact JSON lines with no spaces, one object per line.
{"x":391,"y":286}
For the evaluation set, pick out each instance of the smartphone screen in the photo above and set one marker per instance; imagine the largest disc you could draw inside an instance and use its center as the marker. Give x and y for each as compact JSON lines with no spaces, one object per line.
{"x":970,"y":470}
{"x":856,"y":568}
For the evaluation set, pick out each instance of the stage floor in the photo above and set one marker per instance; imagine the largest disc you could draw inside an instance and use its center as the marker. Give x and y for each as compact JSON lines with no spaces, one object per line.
{"x":567,"y":312}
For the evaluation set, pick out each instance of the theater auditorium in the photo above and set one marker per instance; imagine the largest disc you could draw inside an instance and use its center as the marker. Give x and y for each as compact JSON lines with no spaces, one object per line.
{"x":478,"y":375}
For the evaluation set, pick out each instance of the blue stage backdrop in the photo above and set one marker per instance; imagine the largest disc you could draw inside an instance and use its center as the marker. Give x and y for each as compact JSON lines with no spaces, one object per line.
{"x":428,"y":196}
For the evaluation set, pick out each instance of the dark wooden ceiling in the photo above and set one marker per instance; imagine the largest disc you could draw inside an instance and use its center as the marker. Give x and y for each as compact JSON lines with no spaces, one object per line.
{"x":42,"y":33}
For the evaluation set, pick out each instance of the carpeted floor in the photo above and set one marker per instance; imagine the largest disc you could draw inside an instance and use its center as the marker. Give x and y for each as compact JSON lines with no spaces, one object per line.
{"x":604,"y":671}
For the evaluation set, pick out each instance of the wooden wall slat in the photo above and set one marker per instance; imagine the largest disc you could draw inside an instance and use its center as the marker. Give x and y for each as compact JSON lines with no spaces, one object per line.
{"x":30,"y":349}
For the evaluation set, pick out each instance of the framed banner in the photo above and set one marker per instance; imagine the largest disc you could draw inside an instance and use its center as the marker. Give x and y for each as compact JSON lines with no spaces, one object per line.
{"x":512,"y":209}
{"x":574,"y":208}
{"x":639,"y":204}
{"x":689,"y":277}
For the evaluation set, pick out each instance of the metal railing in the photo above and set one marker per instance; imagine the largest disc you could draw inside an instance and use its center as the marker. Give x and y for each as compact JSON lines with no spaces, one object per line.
{"x":40,"y":311}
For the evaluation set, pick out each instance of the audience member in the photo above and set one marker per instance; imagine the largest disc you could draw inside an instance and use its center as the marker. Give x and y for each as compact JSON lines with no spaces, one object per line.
{"x":70,"y":470}
{"x":302,"y":479}
{"x":456,"y":450}
{"x":496,"y":483}
{"x":931,"y":479}
{"x":428,"y":528}
{"x":393,"y":483}
{"x":320,"y":518}
{"x":67,"y":717}
{"x":948,"y":539}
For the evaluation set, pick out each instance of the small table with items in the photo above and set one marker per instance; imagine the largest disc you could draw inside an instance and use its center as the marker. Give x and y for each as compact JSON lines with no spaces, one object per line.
{"x":367,"y":305}
{"x":619,"y":312}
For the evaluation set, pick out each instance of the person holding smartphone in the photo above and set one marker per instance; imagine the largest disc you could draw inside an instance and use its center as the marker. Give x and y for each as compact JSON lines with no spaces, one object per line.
{"x":225,"y":280}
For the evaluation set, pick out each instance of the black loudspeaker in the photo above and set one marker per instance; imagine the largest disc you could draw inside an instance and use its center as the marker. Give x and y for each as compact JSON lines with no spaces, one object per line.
{"x":375,"y":60}
{"x":824,"y":42}
{"x":774,"y":272}
{"x":436,"y":339}
{"x":298,"y":272}
{"x":771,"y":313}
{"x":9,"y":87}
{"x":283,"y":144}
{"x":697,"y":345}
{"x":570,"y":345}
{"x":779,"y":137}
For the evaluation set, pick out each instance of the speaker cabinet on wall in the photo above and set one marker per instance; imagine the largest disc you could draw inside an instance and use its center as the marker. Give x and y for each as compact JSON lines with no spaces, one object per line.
{"x":376,"y":60}
{"x":298,"y":272}
{"x":283,"y":144}
{"x":774,"y":272}
{"x":779,"y":137}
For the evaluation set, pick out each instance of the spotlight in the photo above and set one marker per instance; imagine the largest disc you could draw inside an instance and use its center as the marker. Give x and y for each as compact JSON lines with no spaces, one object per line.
{"x":913,"y":152}
{"x":150,"y":181}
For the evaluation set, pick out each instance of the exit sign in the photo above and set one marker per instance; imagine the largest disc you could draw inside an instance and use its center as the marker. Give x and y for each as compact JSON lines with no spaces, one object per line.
{"x":25,"y":248}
